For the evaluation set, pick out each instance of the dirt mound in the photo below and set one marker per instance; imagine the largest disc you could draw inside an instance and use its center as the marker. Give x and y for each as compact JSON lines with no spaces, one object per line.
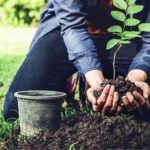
{"x":90,"y":133}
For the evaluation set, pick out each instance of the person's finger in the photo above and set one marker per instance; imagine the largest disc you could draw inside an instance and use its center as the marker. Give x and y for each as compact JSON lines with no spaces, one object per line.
{"x":131,"y":99}
{"x":95,"y":107}
{"x":146,"y":91}
{"x":133,"y":102}
{"x":119,"y":110}
{"x":140,"y":99}
{"x":115,"y":102}
{"x":109,"y":101}
{"x":91,"y":97}
{"x":102,"y":99}
{"x":145,"y":88}
{"x":126,"y":103}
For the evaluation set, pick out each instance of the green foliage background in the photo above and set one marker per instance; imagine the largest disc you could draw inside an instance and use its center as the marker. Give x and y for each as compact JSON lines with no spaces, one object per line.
{"x":21,"y":12}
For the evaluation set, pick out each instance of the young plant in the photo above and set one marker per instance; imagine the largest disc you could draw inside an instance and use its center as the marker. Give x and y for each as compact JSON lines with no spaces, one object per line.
{"x":125,"y":14}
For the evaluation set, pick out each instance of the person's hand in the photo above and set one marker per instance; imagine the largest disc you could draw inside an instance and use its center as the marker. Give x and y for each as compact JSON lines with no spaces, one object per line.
{"x":108,"y":100}
{"x":107,"y":103}
{"x":94,"y":78}
{"x":134,"y":100}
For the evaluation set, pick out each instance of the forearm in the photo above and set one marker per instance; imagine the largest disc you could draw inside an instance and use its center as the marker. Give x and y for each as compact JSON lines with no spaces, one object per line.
{"x":81,"y":49}
{"x":140,"y":67}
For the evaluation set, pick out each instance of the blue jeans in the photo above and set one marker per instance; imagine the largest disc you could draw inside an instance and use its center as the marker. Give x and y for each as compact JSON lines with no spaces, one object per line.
{"x":46,"y":67}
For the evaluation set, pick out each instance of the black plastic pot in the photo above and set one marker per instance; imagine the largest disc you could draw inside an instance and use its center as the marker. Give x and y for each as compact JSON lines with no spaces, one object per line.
{"x":39,"y":111}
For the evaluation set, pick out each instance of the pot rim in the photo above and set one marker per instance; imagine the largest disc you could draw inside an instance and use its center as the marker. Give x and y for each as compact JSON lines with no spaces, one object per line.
{"x":41,"y":95}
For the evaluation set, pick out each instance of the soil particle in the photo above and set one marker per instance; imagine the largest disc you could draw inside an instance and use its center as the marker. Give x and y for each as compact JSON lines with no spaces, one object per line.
{"x":90,"y":132}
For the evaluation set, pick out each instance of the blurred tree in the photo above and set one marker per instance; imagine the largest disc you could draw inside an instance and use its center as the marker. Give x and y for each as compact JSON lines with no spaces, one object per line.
{"x":21,"y":12}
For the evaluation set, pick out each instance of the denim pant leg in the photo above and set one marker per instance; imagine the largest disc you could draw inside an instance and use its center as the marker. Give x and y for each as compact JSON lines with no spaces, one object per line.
{"x":46,"y":67}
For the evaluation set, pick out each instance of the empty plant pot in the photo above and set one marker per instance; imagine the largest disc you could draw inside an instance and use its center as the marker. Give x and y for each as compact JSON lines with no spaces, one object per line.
{"x":39,"y":111}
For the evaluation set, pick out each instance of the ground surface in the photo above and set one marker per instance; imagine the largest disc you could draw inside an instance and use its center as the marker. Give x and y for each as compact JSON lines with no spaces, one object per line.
{"x":88,"y":132}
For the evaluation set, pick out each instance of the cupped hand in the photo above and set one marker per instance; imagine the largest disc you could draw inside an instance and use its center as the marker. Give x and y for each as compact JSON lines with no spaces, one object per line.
{"x":136,"y":101}
{"x":107,"y":103}
{"x":94,"y":78}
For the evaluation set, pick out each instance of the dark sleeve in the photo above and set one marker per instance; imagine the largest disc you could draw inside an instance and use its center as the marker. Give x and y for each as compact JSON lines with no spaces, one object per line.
{"x":142,"y":59}
{"x":71,"y":15}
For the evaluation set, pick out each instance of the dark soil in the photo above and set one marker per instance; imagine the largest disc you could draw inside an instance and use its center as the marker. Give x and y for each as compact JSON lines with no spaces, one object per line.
{"x":122,"y":86}
{"x":89,"y":132}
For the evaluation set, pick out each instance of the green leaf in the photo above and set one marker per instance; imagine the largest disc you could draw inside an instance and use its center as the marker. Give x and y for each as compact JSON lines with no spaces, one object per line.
{"x":111,"y":43}
{"x":119,"y":34}
{"x":130,"y":1}
{"x":118,"y":15}
{"x":144,"y":27}
{"x":132,"y":22}
{"x":115,"y":28}
{"x":121,"y":4}
{"x":125,"y":42}
{"x":131,"y":34}
{"x":72,"y":146}
{"x":133,"y":9}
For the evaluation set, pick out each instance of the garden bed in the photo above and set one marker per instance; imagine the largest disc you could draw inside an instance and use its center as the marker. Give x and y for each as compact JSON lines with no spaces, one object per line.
{"x":88,"y":132}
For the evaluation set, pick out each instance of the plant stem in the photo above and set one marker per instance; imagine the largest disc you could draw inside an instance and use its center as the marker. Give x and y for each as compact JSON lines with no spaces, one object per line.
{"x":114,"y":62}
{"x":119,"y":46}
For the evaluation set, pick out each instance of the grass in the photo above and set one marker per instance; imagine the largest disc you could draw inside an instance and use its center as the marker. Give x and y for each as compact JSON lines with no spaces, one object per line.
{"x":8,"y":68}
{"x":6,"y":128}
{"x":14,"y":43}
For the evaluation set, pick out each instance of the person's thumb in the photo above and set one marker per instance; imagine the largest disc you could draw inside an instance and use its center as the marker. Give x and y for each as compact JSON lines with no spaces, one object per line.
{"x":145,"y":88}
{"x":91,"y":96}
{"x":146,"y":92}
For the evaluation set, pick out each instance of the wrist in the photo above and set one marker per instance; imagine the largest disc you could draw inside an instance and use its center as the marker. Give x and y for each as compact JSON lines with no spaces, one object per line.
{"x":94,"y":77}
{"x":137,"y":75}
